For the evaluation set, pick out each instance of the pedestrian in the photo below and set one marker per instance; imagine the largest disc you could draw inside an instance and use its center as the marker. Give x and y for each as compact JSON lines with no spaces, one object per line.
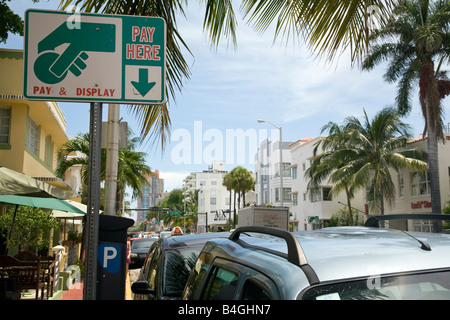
{"x":128,"y":251}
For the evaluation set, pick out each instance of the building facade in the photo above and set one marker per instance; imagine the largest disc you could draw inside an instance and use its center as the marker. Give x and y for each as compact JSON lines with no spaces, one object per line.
{"x":213,"y":197}
{"x":151,"y":194}
{"x":311,"y":208}
{"x":31,"y":132}
{"x":413,"y":188}
{"x":267,"y":170}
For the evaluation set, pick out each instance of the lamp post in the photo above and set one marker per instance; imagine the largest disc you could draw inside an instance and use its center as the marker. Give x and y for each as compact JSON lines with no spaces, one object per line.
{"x":281,"y":158}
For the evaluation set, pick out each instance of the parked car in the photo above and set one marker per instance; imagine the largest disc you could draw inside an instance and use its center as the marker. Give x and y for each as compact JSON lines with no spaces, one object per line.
{"x":337,"y":263}
{"x":168,"y":265}
{"x":139,"y":249}
{"x":134,"y":235}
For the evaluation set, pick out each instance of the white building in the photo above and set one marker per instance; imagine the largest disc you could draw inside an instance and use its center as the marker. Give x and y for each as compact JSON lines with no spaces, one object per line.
{"x":267,"y":169}
{"x":310,"y":209}
{"x":413,"y":189}
{"x":213,"y":197}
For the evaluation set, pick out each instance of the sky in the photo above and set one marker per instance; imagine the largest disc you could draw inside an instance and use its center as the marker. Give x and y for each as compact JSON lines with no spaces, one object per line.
{"x":229,"y":90}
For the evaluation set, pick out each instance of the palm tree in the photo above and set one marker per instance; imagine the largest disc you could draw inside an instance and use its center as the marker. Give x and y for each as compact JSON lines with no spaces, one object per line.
{"x":378,"y":145}
{"x":241,"y":182}
{"x":328,"y":26}
{"x":331,"y":153}
{"x":131,"y":170}
{"x":416,"y":42}
{"x":227,"y":182}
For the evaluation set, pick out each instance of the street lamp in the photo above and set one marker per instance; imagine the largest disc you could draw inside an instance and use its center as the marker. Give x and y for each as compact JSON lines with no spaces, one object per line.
{"x":281,"y":157}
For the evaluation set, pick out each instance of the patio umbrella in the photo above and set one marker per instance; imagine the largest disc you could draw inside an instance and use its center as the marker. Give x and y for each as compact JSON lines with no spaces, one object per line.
{"x":67,"y":215}
{"x":38,"y":202}
{"x":15,"y":183}
{"x":45,"y":203}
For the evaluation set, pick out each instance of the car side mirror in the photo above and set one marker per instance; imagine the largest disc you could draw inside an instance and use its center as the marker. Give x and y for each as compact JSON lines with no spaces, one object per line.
{"x":142,"y":287}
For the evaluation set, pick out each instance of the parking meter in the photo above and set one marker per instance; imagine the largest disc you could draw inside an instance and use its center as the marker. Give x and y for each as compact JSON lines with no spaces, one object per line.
{"x":112,"y":251}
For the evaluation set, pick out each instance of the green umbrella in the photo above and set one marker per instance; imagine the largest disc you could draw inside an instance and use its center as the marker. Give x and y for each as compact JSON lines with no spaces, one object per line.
{"x":38,"y":202}
{"x":45,"y":203}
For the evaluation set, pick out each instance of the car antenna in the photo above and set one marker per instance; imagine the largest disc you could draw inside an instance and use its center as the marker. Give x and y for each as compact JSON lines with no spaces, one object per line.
{"x":424,"y":246}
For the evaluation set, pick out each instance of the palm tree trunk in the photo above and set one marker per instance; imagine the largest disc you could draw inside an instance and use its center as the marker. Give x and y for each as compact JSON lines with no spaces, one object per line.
{"x":349,"y":205}
{"x":430,"y":94}
{"x":433,"y":172}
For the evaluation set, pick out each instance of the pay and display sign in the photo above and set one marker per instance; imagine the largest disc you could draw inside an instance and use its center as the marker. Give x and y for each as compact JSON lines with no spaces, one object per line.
{"x":86,"y":57}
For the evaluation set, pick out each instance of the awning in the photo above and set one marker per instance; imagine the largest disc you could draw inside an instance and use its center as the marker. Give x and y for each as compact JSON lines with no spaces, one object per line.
{"x":15,"y":183}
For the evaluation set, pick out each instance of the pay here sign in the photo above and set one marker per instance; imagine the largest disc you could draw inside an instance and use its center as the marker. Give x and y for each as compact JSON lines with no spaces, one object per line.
{"x":94,"y":57}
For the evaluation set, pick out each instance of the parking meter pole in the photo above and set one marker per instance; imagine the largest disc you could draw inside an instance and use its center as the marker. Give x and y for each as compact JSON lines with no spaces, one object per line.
{"x":92,"y":215}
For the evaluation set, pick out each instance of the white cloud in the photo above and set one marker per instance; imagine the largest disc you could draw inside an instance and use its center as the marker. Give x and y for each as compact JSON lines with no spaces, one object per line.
{"x":172,"y":179}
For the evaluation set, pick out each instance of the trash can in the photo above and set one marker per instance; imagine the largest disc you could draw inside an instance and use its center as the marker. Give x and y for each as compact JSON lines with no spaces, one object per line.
{"x":112,"y":251}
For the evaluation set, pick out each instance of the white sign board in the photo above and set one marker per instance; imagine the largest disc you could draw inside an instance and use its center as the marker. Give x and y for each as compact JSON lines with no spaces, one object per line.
{"x":94,"y":57}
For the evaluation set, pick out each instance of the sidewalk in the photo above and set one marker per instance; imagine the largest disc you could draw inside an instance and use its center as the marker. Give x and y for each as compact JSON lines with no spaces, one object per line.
{"x":76,"y":291}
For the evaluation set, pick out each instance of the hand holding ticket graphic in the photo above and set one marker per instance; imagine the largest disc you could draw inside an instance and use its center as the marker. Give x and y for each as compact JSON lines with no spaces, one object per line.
{"x":51,"y":67}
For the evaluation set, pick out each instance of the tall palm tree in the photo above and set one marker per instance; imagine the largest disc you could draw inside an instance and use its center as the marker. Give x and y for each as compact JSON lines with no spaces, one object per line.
{"x":331,"y":153}
{"x":378,"y":146}
{"x":131,"y":170}
{"x":328,"y":26}
{"x":416,"y":43}
{"x":227,"y":182}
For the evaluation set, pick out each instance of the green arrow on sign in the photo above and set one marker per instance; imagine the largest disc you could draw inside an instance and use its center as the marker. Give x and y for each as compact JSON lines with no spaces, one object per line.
{"x":143,"y":86}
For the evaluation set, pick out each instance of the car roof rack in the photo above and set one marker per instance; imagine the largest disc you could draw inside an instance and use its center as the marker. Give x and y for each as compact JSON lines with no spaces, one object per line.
{"x":374,"y":221}
{"x":295,"y":254}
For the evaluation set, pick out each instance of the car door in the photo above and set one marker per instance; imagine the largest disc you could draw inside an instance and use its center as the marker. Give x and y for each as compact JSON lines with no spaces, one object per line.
{"x":148,"y":280}
{"x":234,"y":281}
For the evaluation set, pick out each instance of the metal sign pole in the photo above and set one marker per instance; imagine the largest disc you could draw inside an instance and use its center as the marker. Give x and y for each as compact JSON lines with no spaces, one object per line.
{"x":92,"y":217}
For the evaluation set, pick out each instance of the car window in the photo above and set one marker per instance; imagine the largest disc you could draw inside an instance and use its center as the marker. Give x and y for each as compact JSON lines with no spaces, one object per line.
{"x":253,"y":291}
{"x":221,"y":285}
{"x":142,"y":244}
{"x":177,"y":268}
{"x":424,"y":286}
{"x":197,"y":275}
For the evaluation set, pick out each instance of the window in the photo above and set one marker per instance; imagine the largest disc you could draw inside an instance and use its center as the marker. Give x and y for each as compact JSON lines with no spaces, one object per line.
{"x":294,"y":173}
{"x":286,"y":169}
{"x":423,"y":286}
{"x":221,"y":285}
{"x":320,"y":194}
{"x":212,"y":201}
{"x":286,"y":194}
{"x":48,"y":151}
{"x":5,"y":125}
{"x":178,"y":265}
{"x":33,"y":137}
{"x":253,"y":291}
{"x":420,"y":184}
{"x":197,"y":275}
{"x":295,"y":199}
{"x":401,"y":186}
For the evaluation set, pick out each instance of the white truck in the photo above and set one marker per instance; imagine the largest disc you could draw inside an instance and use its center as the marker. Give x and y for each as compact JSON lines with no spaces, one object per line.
{"x":276,"y":217}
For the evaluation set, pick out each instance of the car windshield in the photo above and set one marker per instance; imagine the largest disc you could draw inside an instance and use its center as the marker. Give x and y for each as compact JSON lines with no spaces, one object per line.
{"x":423,"y":286}
{"x":177,"y":267}
{"x":142,"y":244}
